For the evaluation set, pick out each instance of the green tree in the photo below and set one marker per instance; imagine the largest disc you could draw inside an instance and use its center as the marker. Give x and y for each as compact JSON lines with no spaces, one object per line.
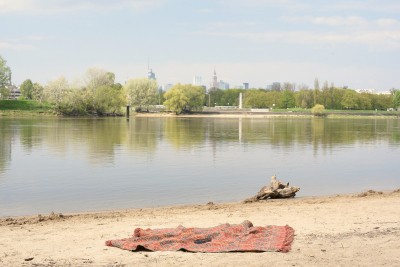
{"x":142,"y":93}
{"x":256,"y":99}
{"x":27,"y":89}
{"x":216,"y":97}
{"x":5,"y":79}
{"x":101,"y":95}
{"x":274,"y":99}
{"x":38,"y":92}
{"x":176,"y":100}
{"x":184,"y":98}
{"x":349,"y":100}
{"x":365,"y":101}
{"x":288,"y":99}
{"x":337,"y":96}
{"x":108,"y":99}
{"x":73,"y":103}
{"x":304,"y":98}
{"x":196,"y":96}
{"x":230,"y":97}
{"x":396,"y":99}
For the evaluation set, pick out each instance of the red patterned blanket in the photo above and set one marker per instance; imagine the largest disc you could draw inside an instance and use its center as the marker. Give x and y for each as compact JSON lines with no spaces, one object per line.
{"x":223,"y":238}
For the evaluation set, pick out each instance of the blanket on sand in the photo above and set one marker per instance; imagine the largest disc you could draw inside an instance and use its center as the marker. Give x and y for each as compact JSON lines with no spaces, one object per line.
{"x":223,"y":238}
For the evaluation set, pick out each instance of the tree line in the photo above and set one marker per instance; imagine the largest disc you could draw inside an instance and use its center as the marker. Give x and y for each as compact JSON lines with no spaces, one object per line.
{"x":98,"y":93}
{"x":330,"y":98}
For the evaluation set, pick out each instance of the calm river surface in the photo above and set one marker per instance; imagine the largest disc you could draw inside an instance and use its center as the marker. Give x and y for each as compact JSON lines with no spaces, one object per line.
{"x":85,"y":164}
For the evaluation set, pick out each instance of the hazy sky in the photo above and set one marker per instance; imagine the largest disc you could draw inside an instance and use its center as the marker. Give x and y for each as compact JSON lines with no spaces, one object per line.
{"x":354,"y":43}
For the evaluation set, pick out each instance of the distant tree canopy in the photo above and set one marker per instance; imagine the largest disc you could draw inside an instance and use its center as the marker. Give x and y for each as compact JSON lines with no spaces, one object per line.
{"x":56,"y":90}
{"x":38,"y":92}
{"x":141,"y":93}
{"x":5,"y":76}
{"x":26,"y":89}
{"x":99,"y":95}
{"x":396,"y":99}
{"x":184,"y":98}
{"x":330,"y":97}
{"x":102,"y":94}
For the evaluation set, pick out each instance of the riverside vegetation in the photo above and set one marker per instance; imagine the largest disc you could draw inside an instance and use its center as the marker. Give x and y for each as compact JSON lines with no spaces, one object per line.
{"x":97,"y":93}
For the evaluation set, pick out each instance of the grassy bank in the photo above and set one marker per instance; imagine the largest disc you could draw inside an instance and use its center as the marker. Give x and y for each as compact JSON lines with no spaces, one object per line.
{"x":31,"y":107}
{"x":24,"y":107}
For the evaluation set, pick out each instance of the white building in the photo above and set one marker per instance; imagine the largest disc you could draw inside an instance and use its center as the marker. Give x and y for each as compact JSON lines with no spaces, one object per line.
{"x":197,"y":80}
{"x":214,"y":82}
{"x":165,"y":87}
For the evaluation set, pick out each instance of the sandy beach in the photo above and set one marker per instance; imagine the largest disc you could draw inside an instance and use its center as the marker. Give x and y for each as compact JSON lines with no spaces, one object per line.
{"x":346,"y":230}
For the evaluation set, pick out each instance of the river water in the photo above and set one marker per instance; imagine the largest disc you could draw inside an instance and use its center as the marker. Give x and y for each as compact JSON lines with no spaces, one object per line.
{"x":90,"y":164}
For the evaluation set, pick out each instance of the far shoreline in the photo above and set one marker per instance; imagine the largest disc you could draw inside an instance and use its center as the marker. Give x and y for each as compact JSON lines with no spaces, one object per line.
{"x":213,"y":113}
{"x":246,"y":114}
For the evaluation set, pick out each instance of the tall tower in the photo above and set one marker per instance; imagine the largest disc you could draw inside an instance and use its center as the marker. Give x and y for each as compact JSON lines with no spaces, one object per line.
{"x":214,"y":83}
{"x":151,"y":75}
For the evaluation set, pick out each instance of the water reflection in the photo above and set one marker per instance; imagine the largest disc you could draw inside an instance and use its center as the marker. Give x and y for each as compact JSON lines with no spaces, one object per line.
{"x":99,"y":138}
{"x":6,"y":134}
{"x":184,"y":132}
{"x":102,"y":163}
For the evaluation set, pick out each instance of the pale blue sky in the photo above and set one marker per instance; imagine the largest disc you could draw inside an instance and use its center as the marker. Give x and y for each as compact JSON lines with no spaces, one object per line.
{"x":354,"y":43}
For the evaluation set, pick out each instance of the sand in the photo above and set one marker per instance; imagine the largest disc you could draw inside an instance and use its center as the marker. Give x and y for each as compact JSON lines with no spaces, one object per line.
{"x":346,"y":230}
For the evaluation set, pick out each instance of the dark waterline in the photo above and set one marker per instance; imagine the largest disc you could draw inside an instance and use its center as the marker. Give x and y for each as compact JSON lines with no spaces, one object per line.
{"x":72,"y":165}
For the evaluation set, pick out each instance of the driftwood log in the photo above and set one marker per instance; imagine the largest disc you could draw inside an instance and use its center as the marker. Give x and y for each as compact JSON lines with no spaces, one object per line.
{"x":275,"y":190}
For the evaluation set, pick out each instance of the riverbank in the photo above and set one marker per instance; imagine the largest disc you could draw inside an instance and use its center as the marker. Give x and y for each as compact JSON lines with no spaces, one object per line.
{"x":23,"y":108}
{"x":347,"y":230}
{"x":268,"y":114}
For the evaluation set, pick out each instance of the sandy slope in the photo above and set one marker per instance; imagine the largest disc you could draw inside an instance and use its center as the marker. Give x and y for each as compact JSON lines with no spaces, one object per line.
{"x":330,"y":231}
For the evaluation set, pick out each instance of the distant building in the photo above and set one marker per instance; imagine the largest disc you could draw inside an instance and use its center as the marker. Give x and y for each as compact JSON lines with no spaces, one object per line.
{"x":370,"y":91}
{"x":15,"y":92}
{"x":12,"y":91}
{"x":214,"y":82}
{"x":373,"y":91}
{"x":223,"y":85}
{"x":197,"y":80}
{"x":151,"y":75}
{"x":275,"y":86}
{"x":166,"y":87}
{"x":245,"y":86}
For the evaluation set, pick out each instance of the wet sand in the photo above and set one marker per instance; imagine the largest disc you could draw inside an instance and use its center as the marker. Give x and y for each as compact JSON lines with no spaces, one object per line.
{"x":346,"y":230}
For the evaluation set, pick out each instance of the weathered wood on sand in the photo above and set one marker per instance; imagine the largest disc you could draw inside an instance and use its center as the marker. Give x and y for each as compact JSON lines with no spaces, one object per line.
{"x":276,"y":189}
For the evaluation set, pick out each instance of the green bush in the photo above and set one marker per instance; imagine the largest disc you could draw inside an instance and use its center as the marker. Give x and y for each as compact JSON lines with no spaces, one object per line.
{"x":318,"y":110}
